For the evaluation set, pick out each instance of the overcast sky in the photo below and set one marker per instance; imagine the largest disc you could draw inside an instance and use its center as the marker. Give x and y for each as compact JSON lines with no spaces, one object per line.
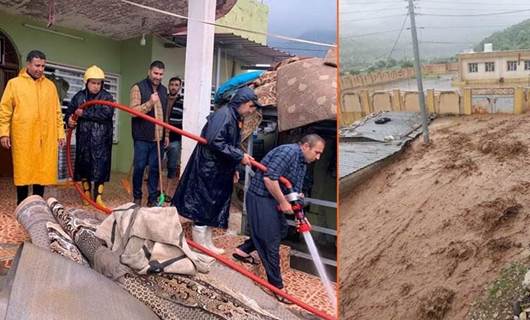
{"x":309,"y":19}
{"x":359,"y":18}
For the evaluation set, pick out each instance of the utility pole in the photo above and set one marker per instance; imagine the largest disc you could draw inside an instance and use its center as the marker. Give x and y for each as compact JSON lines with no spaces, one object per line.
{"x":417,"y":67}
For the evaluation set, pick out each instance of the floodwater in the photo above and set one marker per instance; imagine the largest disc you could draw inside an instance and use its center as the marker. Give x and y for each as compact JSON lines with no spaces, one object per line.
{"x":440,"y":83}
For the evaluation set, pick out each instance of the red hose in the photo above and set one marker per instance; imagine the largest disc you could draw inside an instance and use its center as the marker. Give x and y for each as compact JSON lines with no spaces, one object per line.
{"x":199,"y":139}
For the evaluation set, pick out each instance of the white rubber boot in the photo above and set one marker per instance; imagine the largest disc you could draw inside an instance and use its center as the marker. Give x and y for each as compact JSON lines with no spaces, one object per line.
{"x":198,"y":233}
{"x":210,"y":243}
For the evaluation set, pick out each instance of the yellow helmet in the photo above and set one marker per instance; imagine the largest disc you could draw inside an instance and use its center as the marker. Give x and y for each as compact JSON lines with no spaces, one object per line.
{"x":94,"y":72}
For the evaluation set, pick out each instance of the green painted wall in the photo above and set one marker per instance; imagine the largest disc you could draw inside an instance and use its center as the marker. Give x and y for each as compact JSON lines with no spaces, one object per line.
{"x":173,"y":58}
{"x":92,"y":49}
{"x":248,"y":14}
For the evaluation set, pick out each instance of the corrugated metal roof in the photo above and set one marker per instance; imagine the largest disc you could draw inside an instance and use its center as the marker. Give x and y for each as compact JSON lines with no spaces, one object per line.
{"x":243,"y":49}
{"x":366,"y":143}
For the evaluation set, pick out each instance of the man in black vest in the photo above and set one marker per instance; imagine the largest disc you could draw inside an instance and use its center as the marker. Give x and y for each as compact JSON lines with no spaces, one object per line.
{"x":150,"y":97}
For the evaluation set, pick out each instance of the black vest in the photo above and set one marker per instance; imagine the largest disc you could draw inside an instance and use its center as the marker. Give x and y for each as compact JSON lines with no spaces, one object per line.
{"x":142,"y":129}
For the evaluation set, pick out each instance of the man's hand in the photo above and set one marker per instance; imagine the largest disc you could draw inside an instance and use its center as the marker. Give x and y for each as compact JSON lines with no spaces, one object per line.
{"x":166,"y":142}
{"x":62,"y":142}
{"x":71,"y":122}
{"x":79,"y":112}
{"x":246,"y":159}
{"x":154,"y":98}
{"x":286,"y":207}
{"x":236,"y":177}
{"x":6,"y":142}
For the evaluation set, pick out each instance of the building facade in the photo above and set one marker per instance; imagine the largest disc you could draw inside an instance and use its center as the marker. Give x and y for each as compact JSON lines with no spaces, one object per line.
{"x":494,"y":69}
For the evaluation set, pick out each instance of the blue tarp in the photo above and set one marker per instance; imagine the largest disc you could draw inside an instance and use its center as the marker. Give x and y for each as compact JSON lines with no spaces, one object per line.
{"x":234,"y":83}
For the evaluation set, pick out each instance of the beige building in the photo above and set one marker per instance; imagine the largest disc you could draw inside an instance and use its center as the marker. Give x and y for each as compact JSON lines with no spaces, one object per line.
{"x":494,"y":69}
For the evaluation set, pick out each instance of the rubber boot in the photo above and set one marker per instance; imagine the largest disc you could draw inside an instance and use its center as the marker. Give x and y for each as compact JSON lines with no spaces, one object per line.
{"x":86,"y":190}
{"x":209,"y":241}
{"x":98,"y":193}
{"x":198,"y":234}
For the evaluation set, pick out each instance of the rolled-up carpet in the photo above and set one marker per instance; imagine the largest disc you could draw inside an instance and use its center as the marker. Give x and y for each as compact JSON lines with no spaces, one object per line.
{"x":33,"y":213}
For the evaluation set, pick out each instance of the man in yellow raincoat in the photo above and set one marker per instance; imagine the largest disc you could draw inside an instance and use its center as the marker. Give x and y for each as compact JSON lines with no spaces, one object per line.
{"x":31,"y":126}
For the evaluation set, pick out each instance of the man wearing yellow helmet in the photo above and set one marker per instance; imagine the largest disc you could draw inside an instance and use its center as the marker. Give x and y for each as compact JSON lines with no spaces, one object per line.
{"x":93,"y":134}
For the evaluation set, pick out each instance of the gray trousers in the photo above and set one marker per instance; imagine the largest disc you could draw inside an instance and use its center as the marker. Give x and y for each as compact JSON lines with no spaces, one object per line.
{"x":267,"y":228}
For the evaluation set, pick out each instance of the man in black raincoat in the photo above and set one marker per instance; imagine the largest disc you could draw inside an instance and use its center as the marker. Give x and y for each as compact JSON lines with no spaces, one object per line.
{"x":204,"y":192}
{"x":93,"y":134}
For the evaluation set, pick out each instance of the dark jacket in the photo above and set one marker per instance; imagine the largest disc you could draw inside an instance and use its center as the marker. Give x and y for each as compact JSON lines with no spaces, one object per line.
{"x":206,"y":186}
{"x":93,"y":137}
{"x":175,"y":114}
{"x":142,"y":129}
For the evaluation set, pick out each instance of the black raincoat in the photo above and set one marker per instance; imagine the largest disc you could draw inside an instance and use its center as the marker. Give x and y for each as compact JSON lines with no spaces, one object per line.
{"x":93,"y":137}
{"x":205,"y":188}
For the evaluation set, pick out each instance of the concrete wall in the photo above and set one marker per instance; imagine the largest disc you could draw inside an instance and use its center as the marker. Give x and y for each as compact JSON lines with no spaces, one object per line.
{"x":411,"y":101}
{"x":358,"y":104}
{"x":382,"y":101}
{"x":449,"y":103}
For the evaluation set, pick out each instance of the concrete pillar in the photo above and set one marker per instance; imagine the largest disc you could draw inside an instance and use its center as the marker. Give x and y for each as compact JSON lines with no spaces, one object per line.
{"x":430,"y":101}
{"x":198,"y":71}
{"x":468,"y":105}
{"x":396,"y":100}
{"x":518,"y":100}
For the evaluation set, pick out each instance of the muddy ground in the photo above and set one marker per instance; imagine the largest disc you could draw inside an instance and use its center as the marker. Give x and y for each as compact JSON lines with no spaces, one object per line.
{"x":427,"y":236}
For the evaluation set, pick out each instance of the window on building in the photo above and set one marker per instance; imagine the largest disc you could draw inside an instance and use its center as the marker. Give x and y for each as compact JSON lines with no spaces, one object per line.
{"x":527,"y":64}
{"x":490,"y":66}
{"x":472,"y":67}
{"x":511,"y":66}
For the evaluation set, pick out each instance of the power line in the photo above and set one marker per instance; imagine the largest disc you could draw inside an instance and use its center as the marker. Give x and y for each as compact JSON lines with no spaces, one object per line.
{"x":374,"y":10}
{"x":367,"y":34}
{"x":464,"y":27}
{"x":473,"y":15}
{"x":375,"y":18}
{"x":399,"y":35}
{"x":446,"y":42}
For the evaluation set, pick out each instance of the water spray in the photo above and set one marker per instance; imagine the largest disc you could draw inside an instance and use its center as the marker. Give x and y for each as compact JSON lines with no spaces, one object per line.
{"x":304,"y":227}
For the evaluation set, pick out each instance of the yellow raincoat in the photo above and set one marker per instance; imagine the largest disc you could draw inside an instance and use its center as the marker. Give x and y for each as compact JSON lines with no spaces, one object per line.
{"x":31,"y":115}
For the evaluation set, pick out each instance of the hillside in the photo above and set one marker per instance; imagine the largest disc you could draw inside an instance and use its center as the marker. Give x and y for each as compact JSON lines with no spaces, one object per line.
{"x":514,"y":37}
{"x":425,"y":236}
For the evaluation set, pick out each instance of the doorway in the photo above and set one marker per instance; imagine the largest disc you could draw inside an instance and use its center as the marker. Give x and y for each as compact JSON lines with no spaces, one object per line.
{"x":9,"y":66}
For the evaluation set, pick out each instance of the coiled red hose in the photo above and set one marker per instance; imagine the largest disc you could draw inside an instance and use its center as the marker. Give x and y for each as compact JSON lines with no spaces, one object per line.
{"x":201,"y":140}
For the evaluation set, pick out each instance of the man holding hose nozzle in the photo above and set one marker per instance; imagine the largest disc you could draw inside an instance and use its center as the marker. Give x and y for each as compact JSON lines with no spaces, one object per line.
{"x":204,"y":192}
{"x":266,"y":203}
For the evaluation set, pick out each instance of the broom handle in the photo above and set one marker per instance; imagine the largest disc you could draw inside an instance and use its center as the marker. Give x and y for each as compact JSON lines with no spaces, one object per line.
{"x":159,"y":155}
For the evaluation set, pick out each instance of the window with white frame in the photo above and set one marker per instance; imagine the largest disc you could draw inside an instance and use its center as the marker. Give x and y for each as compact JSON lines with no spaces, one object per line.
{"x":472,"y":67}
{"x":74,"y":77}
{"x":527,"y":64}
{"x":511,"y":66}
{"x":489,"y":66}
